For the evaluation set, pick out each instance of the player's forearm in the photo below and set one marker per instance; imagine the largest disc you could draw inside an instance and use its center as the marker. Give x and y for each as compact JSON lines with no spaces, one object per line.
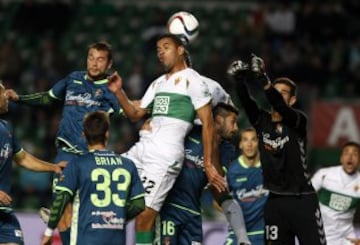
{"x":37,"y":99}
{"x":133,"y":112}
{"x":208,"y":141}
{"x":62,"y":198}
{"x":31,"y":162}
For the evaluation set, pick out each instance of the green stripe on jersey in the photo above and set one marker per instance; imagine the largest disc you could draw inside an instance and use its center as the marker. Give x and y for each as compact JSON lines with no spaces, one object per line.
{"x":174,"y":105}
{"x":337,"y":201}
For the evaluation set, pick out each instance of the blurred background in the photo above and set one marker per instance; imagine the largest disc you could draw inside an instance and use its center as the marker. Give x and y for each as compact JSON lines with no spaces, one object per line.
{"x":315,"y":43}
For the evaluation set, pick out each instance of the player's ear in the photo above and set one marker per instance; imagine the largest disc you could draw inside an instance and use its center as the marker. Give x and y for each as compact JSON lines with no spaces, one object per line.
{"x":107,"y":134}
{"x":292,"y":100}
{"x":110,"y":64}
{"x":181,"y":50}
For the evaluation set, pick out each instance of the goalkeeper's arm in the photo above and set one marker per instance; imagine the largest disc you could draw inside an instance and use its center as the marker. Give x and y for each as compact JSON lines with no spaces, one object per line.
{"x":37,"y":99}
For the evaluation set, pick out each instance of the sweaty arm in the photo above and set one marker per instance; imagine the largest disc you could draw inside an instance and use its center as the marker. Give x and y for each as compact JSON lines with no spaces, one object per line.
{"x":37,"y":99}
{"x":134,"y":207}
{"x":291,"y":117}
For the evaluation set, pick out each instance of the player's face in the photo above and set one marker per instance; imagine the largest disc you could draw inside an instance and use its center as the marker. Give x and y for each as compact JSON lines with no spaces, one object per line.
{"x":97,"y":63}
{"x":3,"y":100}
{"x":249,"y":144}
{"x":228,"y":126}
{"x":285,"y":91}
{"x":168,"y":53}
{"x":349,"y":159}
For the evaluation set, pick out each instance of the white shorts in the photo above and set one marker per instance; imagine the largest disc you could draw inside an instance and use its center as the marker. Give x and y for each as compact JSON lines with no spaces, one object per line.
{"x":158,"y":167}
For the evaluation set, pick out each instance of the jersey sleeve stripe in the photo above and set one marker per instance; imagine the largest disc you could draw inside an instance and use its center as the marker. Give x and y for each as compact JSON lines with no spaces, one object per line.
{"x":62,"y":188}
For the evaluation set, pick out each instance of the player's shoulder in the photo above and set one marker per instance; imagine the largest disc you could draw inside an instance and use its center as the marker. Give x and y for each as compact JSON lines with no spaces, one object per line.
{"x":6,"y":124}
{"x":77,"y":75}
{"x":329,"y":170}
{"x":127,"y":162}
{"x":191,"y":74}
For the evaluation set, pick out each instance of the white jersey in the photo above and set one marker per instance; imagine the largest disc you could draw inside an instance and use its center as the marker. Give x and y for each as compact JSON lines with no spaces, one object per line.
{"x":339,"y":195}
{"x":174,"y":103}
{"x":159,"y":153}
{"x":218,"y":95}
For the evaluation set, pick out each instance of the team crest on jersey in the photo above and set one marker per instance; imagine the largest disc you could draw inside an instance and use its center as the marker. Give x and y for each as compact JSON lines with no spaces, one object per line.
{"x":356,"y":188}
{"x":98,"y":93}
{"x":177,"y":80}
{"x":5,"y":151}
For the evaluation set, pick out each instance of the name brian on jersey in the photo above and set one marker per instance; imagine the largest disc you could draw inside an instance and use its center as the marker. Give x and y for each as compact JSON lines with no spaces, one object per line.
{"x":108,"y":161}
{"x":80,"y":99}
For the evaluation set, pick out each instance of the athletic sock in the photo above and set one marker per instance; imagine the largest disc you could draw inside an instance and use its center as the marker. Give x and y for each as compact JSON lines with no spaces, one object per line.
{"x":235,"y":217}
{"x":144,"y":237}
{"x":65,"y":236}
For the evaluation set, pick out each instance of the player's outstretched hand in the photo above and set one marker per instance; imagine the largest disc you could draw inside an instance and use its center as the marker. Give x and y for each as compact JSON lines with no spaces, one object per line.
{"x":114,"y":82}
{"x":215,"y":179}
{"x":11,"y":95}
{"x":258,"y":69}
{"x":60,"y":166}
{"x":238,"y":70}
{"x":5,"y":199}
{"x":46,"y":240}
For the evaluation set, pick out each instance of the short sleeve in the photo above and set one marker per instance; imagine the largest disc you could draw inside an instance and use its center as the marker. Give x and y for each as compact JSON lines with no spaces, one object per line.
{"x":198,"y":91}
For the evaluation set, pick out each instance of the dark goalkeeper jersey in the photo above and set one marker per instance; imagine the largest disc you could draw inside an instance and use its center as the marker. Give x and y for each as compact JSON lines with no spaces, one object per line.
{"x":282,"y":145}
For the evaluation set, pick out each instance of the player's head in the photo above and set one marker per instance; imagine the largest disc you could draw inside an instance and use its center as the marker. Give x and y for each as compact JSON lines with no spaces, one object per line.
{"x":350,"y":157}
{"x":249,"y":143}
{"x":99,"y":60}
{"x":171,"y":52}
{"x":225,"y":117}
{"x":4,"y":103}
{"x":287,"y":88}
{"x":96,"y":127}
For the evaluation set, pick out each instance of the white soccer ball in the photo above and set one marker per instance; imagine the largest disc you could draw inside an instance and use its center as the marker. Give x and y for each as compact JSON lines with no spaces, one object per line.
{"x":184,"y":25}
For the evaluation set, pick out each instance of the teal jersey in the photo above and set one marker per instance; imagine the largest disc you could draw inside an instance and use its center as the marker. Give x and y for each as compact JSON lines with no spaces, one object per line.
{"x":8,"y":147}
{"x":80,"y":96}
{"x":246,"y":186}
{"x":192,"y":179}
{"x":101,"y":183}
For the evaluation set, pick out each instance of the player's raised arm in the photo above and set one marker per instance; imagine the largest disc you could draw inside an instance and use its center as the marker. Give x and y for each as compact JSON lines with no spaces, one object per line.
{"x":214,"y":177}
{"x":132,"y":110}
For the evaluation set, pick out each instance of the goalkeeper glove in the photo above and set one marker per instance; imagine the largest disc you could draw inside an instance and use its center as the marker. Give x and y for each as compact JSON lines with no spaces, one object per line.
{"x":258,"y":70}
{"x":238,"y":70}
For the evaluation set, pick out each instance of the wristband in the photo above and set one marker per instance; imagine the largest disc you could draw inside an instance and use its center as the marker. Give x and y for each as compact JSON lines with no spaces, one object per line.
{"x":48,"y":232}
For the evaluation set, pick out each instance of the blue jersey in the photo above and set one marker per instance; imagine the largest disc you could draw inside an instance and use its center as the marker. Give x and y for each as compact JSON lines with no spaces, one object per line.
{"x":102,"y":183}
{"x":246,"y":186}
{"x":80,"y":97}
{"x":192,"y":178}
{"x":9,"y":146}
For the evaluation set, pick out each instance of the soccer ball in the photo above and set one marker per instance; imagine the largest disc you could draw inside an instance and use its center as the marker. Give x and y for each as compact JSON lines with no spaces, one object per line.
{"x":184,"y":25}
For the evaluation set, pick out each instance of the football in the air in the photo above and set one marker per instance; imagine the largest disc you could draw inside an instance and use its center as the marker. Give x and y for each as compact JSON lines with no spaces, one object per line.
{"x":184,"y":25}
